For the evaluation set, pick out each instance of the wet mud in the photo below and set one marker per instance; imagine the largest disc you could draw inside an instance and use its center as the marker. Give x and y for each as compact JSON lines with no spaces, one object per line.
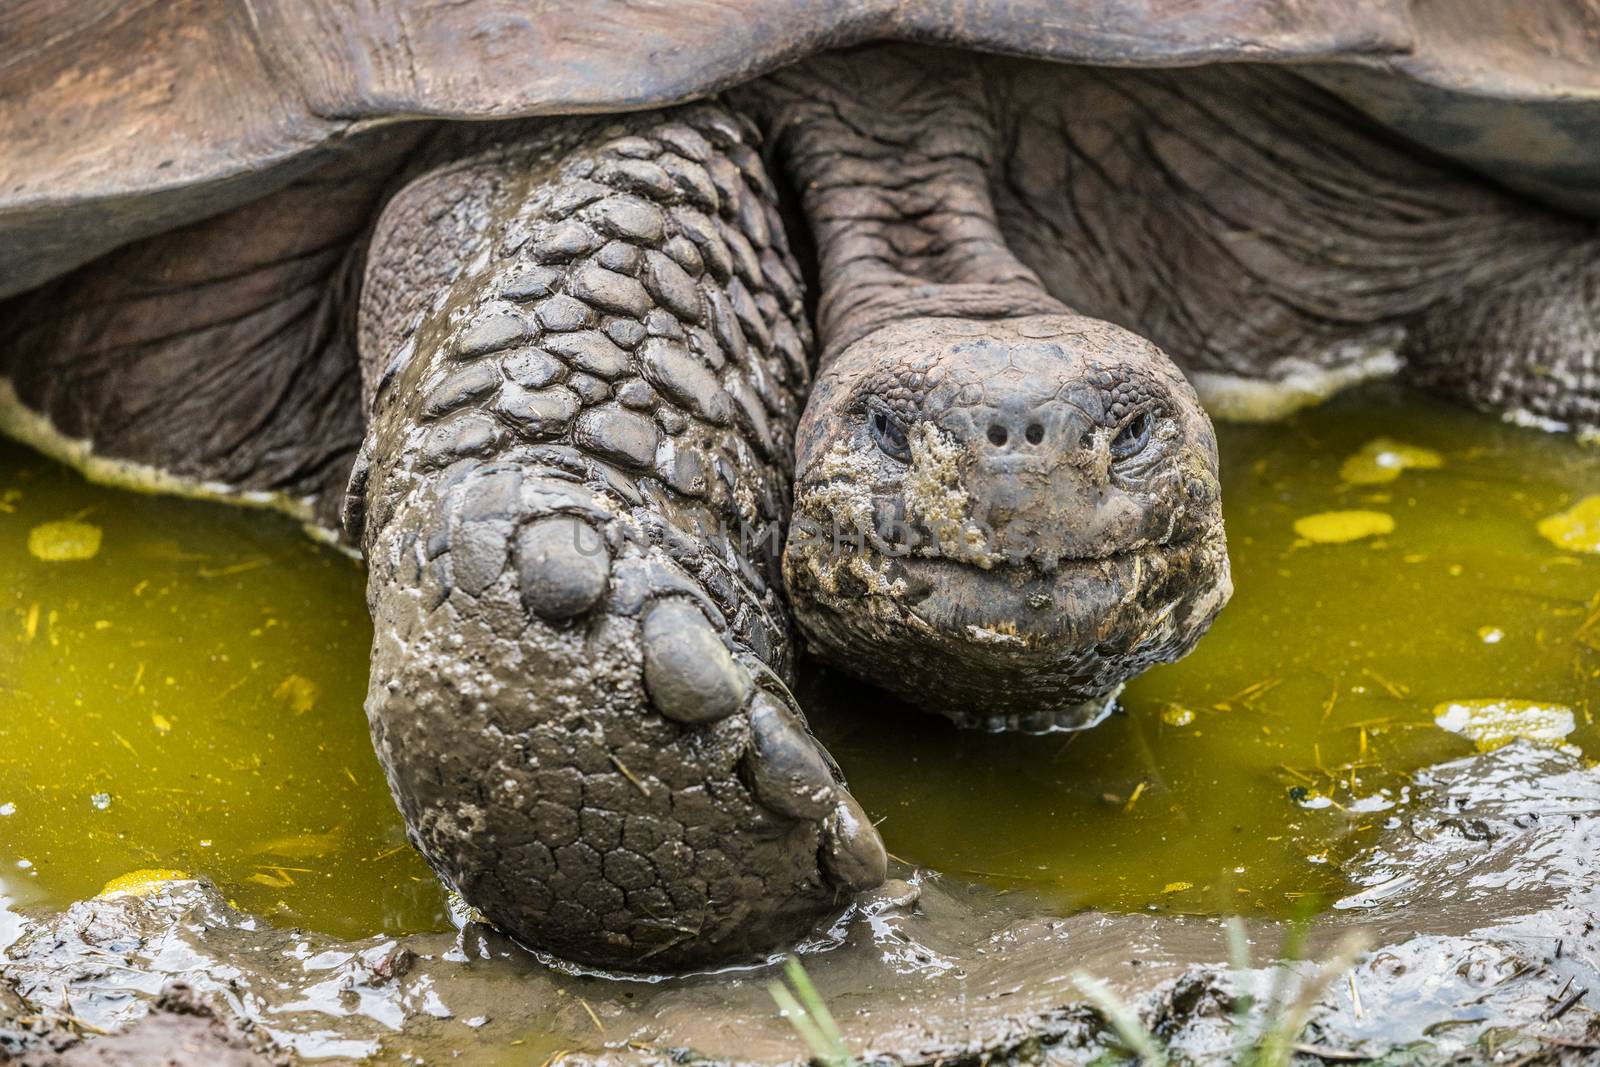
{"x":180,"y":1030}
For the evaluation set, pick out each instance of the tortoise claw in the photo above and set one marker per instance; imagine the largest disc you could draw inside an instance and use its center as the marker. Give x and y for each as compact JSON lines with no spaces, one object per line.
{"x":784,"y":769}
{"x":690,"y":675}
{"x":852,"y":853}
{"x":563,"y":566}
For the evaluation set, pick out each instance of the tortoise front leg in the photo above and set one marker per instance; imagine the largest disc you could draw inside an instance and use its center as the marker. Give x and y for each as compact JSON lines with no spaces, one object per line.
{"x":1527,"y":348}
{"x":587,"y":349}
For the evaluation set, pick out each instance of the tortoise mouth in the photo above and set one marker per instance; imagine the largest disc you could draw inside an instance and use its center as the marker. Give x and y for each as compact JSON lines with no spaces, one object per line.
{"x":1011,"y":646}
{"x":1068,"y":718}
{"x":1025,"y":606}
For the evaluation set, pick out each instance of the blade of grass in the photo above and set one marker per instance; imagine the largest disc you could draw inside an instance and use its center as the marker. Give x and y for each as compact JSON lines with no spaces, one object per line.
{"x":801,"y":981}
{"x":805,"y":1010}
{"x":1289,"y":953}
{"x":1116,"y":1011}
{"x":1239,"y":961}
{"x":1277,"y":1048}
{"x":791,"y":1010}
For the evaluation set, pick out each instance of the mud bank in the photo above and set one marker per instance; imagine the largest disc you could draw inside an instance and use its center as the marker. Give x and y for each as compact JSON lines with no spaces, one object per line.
{"x":1480,"y":901}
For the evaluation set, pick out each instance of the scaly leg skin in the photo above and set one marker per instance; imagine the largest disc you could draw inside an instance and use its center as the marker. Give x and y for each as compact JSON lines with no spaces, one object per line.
{"x":586,"y":346}
{"x":1528,"y":349}
{"x":1278,"y":244}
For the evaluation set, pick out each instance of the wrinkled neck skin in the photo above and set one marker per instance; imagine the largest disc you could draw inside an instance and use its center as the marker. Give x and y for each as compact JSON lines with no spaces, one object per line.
{"x":893,"y":162}
{"x":1003,"y":509}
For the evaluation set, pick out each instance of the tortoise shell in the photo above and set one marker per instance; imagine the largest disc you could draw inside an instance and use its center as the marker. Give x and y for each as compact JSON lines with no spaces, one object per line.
{"x":120,"y":120}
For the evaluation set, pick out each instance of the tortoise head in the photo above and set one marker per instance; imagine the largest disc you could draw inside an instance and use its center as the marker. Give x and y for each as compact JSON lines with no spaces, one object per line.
{"x":1016,"y":516}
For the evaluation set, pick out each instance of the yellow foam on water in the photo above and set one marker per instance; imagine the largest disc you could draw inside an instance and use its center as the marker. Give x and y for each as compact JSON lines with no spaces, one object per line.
{"x":1492,"y":723}
{"x":1384,"y":459}
{"x":1176,"y":715}
{"x":64,"y":542}
{"x":1577,"y":529}
{"x":141,"y":883}
{"x":1338,"y":527}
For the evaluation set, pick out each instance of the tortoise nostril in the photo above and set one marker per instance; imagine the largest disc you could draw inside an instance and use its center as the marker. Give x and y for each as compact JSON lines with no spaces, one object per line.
{"x":997,"y":435}
{"x":1035,"y":433}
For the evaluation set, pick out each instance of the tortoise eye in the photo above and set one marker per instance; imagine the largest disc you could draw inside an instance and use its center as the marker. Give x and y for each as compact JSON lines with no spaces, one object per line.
{"x":889,"y":435}
{"x":1132,"y":438}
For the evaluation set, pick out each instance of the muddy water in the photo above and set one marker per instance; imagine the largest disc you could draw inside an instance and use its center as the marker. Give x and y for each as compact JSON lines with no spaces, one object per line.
{"x":183,"y":684}
{"x":182,"y":688}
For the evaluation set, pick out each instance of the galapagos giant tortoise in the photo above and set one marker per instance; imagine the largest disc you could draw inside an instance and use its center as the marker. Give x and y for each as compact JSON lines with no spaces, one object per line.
{"x":551,"y":370}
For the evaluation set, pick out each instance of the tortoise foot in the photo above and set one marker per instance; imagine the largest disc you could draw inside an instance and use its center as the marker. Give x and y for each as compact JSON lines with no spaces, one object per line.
{"x":579,"y":742}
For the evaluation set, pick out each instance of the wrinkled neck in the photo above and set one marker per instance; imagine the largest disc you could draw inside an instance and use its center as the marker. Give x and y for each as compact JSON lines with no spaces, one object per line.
{"x":891,"y":151}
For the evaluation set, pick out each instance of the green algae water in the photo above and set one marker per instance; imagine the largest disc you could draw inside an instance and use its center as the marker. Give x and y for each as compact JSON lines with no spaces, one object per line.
{"x":1396,"y":604}
{"x":182,"y":688}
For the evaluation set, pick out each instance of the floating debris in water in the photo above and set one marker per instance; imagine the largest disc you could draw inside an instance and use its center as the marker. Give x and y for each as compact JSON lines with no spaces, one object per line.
{"x":303,"y":846}
{"x":101,"y":801}
{"x":298,"y":692}
{"x":65,"y":541}
{"x":277,"y":877}
{"x":1372,"y":802}
{"x":1375,"y":895}
{"x":1491,"y":635}
{"x":1176,"y":715}
{"x":1490,"y":724}
{"x":141,"y":883}
{"x":1339,"y":527}
{"x":1577,"y":529}
{"x":1384,"y":459}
